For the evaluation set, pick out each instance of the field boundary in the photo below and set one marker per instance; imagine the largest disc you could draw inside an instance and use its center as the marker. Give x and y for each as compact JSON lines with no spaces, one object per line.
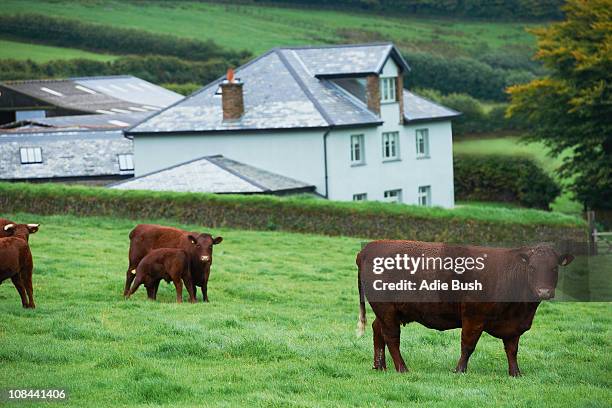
{"x":371,"y":221}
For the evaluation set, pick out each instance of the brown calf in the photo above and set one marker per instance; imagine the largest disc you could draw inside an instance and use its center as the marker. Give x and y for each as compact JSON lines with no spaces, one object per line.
{"x":146,"y":237}
{"x":170,"y":264}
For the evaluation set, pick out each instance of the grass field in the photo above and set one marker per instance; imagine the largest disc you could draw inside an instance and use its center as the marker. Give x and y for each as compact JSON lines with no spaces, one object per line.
{"x":42,"y":53}
{"x":279,"y":331}
{"x":258,"y":28}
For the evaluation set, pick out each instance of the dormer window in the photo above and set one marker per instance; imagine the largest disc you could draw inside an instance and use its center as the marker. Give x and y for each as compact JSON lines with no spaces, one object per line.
{"x":387,"y":90}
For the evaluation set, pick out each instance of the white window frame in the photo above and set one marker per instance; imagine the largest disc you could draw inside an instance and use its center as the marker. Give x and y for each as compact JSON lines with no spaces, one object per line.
{"x":388,"y":91}
{"x":357,"y":149}
{"x":392,"y":140}
{"x":30,"y":155}
{"x":422,"y":135}
{"x":126,"y":161}
{"x":424,"y":196}
{"x":360,"y":197}
{"x":393,"y":196}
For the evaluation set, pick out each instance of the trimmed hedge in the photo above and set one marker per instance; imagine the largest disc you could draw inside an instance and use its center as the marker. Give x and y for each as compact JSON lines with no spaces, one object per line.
{"x":469,"y":224}
{"x":503,"y":178}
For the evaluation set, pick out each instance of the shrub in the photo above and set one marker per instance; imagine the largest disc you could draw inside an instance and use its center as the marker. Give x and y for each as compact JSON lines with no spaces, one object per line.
{"x":474,"y":117}
{"x":458,"y":75}
{"x":503,"y":178}
{"x":183,"y":89}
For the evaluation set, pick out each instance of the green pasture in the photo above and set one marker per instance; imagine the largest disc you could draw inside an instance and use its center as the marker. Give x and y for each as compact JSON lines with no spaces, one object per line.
{"x":43,"y":53}
{"x":279,"y":332}
{"x":258,"y":27}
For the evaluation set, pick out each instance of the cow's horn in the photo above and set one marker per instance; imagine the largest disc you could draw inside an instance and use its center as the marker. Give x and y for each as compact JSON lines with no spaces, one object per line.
{"x":33,"y":225}
{"x":9,"y":227}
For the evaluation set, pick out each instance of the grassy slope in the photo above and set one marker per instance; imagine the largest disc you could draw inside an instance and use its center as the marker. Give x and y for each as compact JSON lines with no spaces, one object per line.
{"x":512,"y":146}
{"x":42,"y":53}
{"x":258,"y":28}
{"x":279,"y":331}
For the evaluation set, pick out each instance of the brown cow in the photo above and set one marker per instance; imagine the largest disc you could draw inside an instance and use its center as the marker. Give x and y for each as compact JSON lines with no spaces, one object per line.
{"x":170,"y":264}
{"x":9,"y":228}
{"x":16,"y":263}
{"x":12,"y":229}
{"x":147,"y":237}
{"x":533,"y":269}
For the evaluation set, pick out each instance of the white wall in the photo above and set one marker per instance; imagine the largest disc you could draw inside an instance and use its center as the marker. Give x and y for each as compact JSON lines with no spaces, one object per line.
{"x":296,"y":154}
{"x":408,"y":173}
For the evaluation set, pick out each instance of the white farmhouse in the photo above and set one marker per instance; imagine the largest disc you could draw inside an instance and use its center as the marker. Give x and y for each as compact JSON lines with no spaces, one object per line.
{"x":335,"y":117}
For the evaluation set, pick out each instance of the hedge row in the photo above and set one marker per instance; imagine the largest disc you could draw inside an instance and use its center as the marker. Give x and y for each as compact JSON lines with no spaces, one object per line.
{"x":157,"y":69}
{"x":475,"y":117}
{"x":462,"y":75}
{"x":373,"y":220}
{"x":503,"y":178}
{"x":71,"y":33}
{"x":500,"y":9}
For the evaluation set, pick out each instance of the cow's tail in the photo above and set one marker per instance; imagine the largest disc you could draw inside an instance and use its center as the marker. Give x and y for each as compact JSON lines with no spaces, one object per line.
{"x":362,"y":309}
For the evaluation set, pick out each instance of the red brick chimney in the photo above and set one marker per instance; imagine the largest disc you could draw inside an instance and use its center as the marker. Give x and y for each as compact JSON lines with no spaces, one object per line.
{"x":373,"y":93}
{"x":399,"y":88}
{"x":232,"y":100}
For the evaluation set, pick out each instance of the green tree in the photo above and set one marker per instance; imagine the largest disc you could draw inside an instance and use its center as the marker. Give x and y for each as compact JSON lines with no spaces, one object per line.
{"x":571,"y":108}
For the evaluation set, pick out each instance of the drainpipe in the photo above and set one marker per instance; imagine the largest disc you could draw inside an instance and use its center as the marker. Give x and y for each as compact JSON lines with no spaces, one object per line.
{"x":325,"y":160}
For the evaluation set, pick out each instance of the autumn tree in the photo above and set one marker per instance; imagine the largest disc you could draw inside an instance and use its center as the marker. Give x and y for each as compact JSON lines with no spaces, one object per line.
{"x":570,"y":108}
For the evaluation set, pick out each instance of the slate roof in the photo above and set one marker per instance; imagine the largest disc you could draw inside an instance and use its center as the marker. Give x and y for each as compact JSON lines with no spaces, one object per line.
{"x":214,"y":174}
{"x":110,"y":94}
{"x":286,"y":88}
{"x":65,"y":153}
{"x":417,"y":108}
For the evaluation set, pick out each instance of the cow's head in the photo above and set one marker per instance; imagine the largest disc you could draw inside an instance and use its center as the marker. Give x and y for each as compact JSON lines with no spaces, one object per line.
{"x":11,"y":229}
{"x":542,"y":263}
{"x":203,"y":246}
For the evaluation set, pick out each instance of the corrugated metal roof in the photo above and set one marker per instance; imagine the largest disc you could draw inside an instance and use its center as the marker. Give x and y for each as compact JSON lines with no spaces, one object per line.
{"x":285,"y":88}
{"x":214,"y":174}
{"x":97,"y":121}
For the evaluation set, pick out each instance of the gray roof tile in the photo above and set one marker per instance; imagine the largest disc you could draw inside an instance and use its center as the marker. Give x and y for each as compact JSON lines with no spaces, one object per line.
{"x":213,"y":174}
{"x":418,"y":108}
{"x":285,"y":88}
{"x":65,"y":154}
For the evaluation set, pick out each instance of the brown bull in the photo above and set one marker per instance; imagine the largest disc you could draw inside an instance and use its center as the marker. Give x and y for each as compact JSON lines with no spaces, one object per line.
{"x":534,"y":270}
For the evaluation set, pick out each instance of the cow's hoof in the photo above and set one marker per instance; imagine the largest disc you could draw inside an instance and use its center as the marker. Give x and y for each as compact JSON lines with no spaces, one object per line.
{"x":515,"y":374}
{"x":402,"y":370}
{"x":381,"y":368}
{"x":460,"y":370}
